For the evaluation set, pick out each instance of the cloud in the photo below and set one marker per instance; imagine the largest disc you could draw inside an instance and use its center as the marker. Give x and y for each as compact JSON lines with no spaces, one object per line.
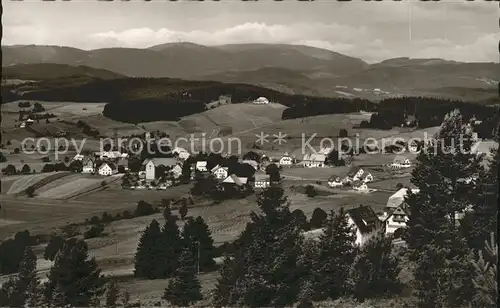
{"x":483,"y":49}
{"x":243,"y":33}
{"x":372,"y":44}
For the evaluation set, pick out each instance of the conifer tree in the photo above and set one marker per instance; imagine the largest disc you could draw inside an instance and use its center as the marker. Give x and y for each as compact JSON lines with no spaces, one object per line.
{"x":262,"y":270}
{"x":336,"y":253}
{"x":227,"y":290}
{"x":197,"y":237}
{"x":167,"y":212}
{"x":78,"y":277}
{"x":482,"y":221}
{"x":27,"y":282}
{"x":442,"y":275}
{"x":112,"y":293}
{"x":169,"y":248}
{"x":58,"y":297}
{"x":147,"y":256}
{"x":374,"y":272}
{"x":305,"y":296}
{"x":9,"y":294}
{"x":486,"y":276}
{"x":184,"y":289}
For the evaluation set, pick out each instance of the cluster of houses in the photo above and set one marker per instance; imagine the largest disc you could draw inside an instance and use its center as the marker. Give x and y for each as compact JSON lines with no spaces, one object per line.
{"x":174,"y":168}
{"x":367,"y":224}
{"x":357,"y":178}
{"x":104,"y":163}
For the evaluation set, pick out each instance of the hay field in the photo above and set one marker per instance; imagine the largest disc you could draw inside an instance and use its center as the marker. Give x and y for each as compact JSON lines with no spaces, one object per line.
{"x":20,"y":184}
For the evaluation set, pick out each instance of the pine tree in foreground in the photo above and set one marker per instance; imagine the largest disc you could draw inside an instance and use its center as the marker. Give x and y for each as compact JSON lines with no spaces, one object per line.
{"x":335,"y":256}
{"x":196,"y":235}
{"x":59,"y":298}
{"x":28,"y":282}
{"x":375,"y":271}
{"x":112,"y":294}
{"x":146,"y":258}
{"x":184,"y":289}
{"x":443,"y":271}
{"x":77,"y":276}
{"x":482,"y":221}
{"x":262,"y":271}
{"x":486,"y":275}
{"x":169,"y":249}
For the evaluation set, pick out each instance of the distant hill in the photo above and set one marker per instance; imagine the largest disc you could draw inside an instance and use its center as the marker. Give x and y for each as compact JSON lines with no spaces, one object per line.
{"x":291,"y":69}
{"x":186,"y":60}
{"x":45,"y":71}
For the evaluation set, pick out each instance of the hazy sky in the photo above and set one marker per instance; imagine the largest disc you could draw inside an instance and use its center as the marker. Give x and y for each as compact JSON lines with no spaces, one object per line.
{"x":459,"y":30}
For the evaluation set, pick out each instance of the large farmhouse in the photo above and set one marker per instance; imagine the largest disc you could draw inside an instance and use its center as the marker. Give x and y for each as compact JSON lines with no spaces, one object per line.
{"x":363,"y":221}
{"x":314,"y":160}
{"x":150,"y":165}
{"x":396,"y":212}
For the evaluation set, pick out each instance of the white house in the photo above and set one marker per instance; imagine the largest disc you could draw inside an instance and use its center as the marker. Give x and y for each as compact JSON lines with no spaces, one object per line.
{"x":262,"y":181}
{"x":88,"y":166}
{"x":261,"y":101}
{"x":314,"y":160}
{"x":396,"y":212}
{"x":220,"y":172}
{"x":286,"y":160}
{"x":335,"y":182}
{"x":354,"y":175}
{"x":365,"y":223}
{"x":396,"y":218}
{"x":150,"y":165}
{"x":107,"y":169}
{"x":201,"y":166}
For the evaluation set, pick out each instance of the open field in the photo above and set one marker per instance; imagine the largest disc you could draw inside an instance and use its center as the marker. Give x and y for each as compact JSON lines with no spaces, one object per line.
{"x":22,"y":183}
{"x":76,"y":185}
{"x":235,"y":116}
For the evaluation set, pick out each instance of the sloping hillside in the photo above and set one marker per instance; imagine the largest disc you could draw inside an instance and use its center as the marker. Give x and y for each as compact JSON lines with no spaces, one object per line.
{"x":185,"y":60}
{"x":291,"y":69}
{"x":45,"y":71}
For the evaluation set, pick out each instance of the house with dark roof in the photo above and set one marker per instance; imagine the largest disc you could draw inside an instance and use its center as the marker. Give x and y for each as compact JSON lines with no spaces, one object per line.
{"x":150,"y":164}
{"x":365,"y":224}
{"x":88,"y":165}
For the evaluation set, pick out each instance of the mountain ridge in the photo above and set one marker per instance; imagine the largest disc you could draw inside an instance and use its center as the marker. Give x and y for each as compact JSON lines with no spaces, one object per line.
{"x":294,"y":69}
